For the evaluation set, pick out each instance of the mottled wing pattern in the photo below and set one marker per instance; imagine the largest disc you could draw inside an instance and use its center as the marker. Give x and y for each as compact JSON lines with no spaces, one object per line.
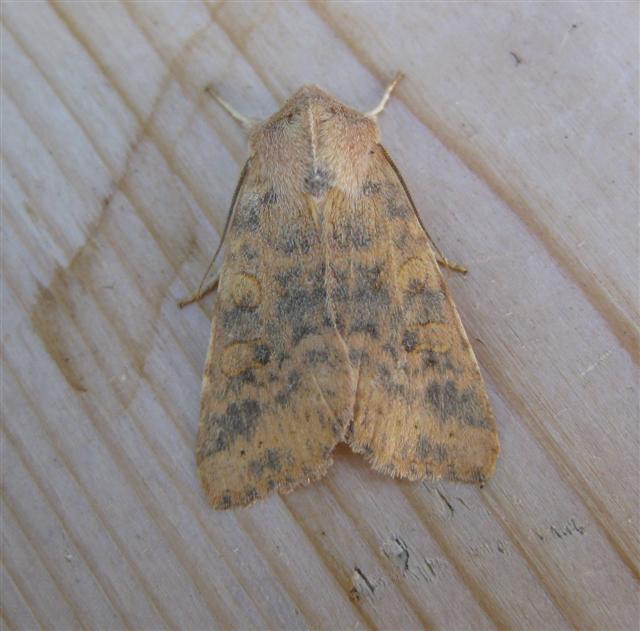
{"x":421,"y":410}
{"x":277,"y":390}
{"x":332,"y":323}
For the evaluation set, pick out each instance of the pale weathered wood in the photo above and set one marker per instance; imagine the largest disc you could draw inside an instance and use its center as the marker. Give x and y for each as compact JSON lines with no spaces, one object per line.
{"x":517,"y":132}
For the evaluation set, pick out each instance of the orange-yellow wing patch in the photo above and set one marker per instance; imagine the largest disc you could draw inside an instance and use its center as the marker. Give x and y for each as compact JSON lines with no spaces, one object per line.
{"x":277,"y":390}
{"x":421,"y":410}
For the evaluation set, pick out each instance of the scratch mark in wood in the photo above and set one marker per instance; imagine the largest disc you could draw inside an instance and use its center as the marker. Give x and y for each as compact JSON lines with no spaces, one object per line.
{"x":595,"y":364}
{"x":462,"y":502}
{"x":446,"y":501}
{"x":396,"y":550}
{"x":429,"y":565}
{"x":568,"y":529}
{"x":362,"y":586}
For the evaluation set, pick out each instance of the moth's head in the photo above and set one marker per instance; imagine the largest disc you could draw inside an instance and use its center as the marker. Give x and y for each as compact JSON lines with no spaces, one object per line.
{"x":312,"y":112}
{"x":311,"y":102}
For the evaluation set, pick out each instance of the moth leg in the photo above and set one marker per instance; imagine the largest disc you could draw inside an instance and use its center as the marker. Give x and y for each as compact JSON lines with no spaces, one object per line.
{"x":246,"y":122}
{"x":201,"y":292}
{"x":443,"y":261}
{"x":385,"y":97}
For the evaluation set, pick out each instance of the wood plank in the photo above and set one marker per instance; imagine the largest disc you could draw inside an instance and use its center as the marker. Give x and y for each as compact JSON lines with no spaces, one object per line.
{"x":517,"y":132}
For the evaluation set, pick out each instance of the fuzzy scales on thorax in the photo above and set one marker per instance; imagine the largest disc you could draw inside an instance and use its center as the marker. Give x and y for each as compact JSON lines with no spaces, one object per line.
{"x":314,"y":143}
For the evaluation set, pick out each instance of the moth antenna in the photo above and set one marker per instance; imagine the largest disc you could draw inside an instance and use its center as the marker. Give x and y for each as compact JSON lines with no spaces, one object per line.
{"x":385,"y":97}
{"x":441,"y":258}
{"x":246,"y":122}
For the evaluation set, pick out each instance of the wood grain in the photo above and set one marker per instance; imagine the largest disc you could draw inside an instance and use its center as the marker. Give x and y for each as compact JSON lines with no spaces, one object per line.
{"x":517,"y":132}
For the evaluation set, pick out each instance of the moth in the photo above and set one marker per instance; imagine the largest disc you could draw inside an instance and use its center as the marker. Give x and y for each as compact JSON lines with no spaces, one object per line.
{"x":333,"y":322}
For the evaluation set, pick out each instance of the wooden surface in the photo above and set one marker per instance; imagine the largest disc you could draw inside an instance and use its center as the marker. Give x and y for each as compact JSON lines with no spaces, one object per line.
{"x":517,"y":132}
